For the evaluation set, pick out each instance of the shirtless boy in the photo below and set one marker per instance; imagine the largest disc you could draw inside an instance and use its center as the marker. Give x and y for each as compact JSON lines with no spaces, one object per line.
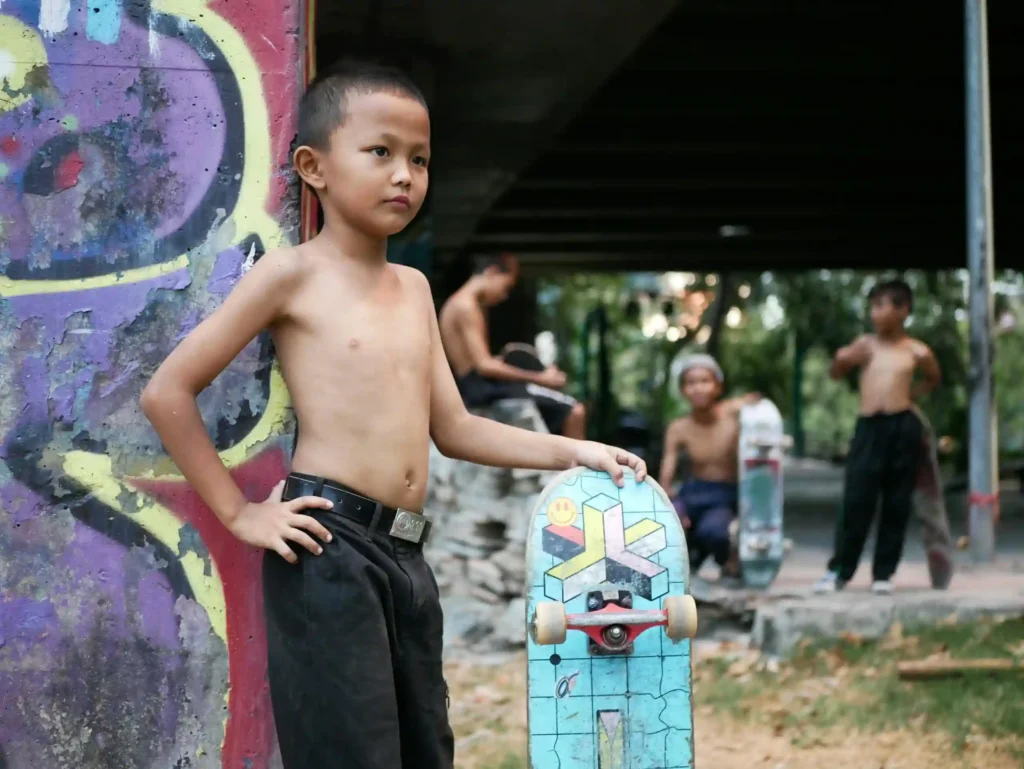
{"x":483,"y":378}
{"x":707,"y":501}
{"x":885,"y":452}
{"x":352,"y":610}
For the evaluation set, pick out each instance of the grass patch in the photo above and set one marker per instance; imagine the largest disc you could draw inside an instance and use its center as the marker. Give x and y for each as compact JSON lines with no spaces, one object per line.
{"x":853,"y":683}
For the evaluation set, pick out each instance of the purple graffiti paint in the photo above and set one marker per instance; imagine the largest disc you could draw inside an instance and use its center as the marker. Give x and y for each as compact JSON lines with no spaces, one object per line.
{"x":20,"y":503}
{"x":147,"y":145}
{"x":226,"y":272}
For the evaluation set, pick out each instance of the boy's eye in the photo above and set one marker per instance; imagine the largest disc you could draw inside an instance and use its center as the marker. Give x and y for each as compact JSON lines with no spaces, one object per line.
{"x":420,"y":161}
{"x":381,"y":152}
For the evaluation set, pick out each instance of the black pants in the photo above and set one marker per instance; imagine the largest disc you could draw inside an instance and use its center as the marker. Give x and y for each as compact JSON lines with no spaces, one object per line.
{"x":554,"y":406}
{"x":884,"y":459}
{"x":354,"y":641}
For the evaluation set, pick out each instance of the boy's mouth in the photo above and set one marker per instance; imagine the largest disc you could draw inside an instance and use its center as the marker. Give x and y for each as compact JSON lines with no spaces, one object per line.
{"x":399,"y":200}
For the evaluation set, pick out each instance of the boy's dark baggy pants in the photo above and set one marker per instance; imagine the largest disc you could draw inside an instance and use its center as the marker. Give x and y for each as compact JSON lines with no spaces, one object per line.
{"x":354,"y":640}
{"x":884,"y":459}
{"x":711,"y":507}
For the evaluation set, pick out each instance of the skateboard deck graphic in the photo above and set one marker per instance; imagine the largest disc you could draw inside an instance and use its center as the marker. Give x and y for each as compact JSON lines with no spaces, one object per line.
{"x":608,"y":576}
{"x":930,"y":509}
{"x":760,"y":543}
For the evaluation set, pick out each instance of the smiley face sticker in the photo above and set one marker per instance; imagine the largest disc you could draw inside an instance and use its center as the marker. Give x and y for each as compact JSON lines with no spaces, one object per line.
{"x":562,"y":511}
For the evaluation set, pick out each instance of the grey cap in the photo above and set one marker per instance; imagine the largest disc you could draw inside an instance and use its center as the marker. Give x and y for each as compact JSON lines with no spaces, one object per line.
{"x":701,"y":360}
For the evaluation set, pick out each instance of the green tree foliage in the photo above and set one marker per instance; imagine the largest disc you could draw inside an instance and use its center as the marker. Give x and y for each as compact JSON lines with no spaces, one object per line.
{"x":814,"y":311}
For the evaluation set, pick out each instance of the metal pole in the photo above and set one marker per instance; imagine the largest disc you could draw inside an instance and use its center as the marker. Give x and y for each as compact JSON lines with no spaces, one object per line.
{"x":983,"y":498}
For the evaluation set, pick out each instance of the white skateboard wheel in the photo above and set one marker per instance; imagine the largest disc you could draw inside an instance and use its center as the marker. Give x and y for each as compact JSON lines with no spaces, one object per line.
{"x":682,"y":617}
{"x":549,"y":623}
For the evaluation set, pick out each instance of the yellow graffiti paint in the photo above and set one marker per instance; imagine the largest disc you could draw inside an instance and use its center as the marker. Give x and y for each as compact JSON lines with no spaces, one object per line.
{"x":249,"y":215}
{"x":10,"y":287}
{"x":250,"y":212}
{"x":95,"y":472}
{"x":21,"y":51}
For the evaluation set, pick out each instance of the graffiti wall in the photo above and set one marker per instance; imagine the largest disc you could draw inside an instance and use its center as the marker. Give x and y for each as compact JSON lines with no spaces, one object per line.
{"x":143,"y":166}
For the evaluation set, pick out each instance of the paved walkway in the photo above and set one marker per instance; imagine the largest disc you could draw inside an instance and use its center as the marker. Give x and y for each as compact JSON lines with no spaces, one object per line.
{"x":789,"y":611}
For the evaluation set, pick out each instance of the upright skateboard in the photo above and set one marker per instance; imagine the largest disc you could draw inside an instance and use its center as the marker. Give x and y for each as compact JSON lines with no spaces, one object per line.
{"x":930,"y":509}
{"x":608,"y":617}
{"x":760,"y":543}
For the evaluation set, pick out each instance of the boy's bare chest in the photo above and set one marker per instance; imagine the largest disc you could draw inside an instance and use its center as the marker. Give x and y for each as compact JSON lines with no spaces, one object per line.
{"x":891,"y":360}
{"x":367,"y":344}
{"x":712,"y":442}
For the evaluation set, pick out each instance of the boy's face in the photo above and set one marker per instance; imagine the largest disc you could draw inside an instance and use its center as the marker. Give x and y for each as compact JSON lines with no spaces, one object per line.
{"x":887,"y":316}
{"x":375,"y":173}
{"x":701,"y":388}
{"x":497,"y":285}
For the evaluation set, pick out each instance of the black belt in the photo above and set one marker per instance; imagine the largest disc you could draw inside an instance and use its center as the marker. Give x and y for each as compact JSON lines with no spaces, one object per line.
{"x":401,"y":524}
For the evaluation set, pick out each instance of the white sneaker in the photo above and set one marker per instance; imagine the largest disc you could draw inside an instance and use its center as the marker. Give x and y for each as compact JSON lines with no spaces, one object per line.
{"x":881,"y":587}
{"x":828,"y":584}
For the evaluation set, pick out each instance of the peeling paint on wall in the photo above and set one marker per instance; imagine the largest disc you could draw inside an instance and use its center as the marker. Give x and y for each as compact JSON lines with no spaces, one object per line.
{"x":140,"y":153}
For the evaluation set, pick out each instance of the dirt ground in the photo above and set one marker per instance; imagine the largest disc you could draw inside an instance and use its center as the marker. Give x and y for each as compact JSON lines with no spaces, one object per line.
{"x":827,"y":711}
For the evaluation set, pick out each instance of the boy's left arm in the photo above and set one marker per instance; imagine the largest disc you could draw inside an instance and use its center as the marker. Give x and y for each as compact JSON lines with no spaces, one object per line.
{"x":735,"y":404}
{"x":461,"y":435}
{"x":930,"y":372}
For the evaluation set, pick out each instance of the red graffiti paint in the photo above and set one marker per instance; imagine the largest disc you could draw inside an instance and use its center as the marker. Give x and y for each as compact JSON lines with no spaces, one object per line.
{"x":250,"y":736}
{"x":66,"y":175}
{"x":9,"y":145}
{"x":273,"y":45}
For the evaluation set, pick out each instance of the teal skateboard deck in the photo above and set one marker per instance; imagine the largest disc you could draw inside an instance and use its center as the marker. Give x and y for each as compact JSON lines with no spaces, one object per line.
{"x":761,"y":546}
{"x":609,"y":618}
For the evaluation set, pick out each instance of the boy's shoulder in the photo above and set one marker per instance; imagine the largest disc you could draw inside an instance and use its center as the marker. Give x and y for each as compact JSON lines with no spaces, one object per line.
{"x":679,"y":426}
{"x":410,"y":276}
{"x":286,"y":263}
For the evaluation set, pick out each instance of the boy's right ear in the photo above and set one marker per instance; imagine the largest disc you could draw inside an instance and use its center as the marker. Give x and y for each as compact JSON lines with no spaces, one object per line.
{"x":308,"y":166}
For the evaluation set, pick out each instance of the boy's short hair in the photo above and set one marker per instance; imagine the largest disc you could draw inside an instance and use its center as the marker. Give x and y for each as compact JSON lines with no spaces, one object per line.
{"x":896,"y":291}
{"x":506,"y":263}
{"x":322,"y":108}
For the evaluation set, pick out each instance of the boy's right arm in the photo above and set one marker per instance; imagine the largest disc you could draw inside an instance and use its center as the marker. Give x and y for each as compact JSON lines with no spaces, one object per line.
{"x":169,"y":402}
{"x":850,"y":357}
{"x":670,"y":455}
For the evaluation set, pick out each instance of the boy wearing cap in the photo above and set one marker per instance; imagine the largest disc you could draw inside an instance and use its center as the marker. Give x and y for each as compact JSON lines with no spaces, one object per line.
{"x":709,"y":435}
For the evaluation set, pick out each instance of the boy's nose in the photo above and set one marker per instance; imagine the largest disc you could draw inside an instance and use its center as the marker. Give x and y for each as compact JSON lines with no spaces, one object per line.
{"x":402,"y":177}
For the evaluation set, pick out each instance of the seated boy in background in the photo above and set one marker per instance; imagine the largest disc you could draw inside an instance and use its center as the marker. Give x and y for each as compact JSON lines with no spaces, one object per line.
{"x":707,"y":501}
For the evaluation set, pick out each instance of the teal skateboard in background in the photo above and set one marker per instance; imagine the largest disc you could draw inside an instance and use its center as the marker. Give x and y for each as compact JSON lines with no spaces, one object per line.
{"x":609,"y":619}
{"x":760,"y":543}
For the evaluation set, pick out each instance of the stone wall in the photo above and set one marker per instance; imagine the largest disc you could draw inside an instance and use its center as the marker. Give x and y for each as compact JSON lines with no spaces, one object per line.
{"x":478,"y":548}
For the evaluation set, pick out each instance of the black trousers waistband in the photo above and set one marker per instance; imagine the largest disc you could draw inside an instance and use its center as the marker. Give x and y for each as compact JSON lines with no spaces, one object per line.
{"x":402,"y":524}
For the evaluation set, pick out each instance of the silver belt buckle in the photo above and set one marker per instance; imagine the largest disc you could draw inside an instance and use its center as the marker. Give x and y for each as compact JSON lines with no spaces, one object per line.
{"x":408,"y":526}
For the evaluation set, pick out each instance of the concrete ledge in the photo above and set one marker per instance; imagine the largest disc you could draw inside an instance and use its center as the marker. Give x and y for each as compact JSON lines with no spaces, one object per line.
{"x":781,"y":624}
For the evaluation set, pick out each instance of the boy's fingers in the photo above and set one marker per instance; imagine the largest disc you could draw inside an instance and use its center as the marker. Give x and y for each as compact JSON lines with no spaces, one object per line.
{"x":613,"y":468}
{"x":276,"y":492}
{"x":303,"y":502}
{"x":313,"y":526}
{"x":638,"y":465}
{"x":302,"y":538}
{"x":282,"y":549}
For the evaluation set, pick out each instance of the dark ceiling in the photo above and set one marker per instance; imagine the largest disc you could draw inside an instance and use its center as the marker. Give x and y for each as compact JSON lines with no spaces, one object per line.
{"x":728,"y":134}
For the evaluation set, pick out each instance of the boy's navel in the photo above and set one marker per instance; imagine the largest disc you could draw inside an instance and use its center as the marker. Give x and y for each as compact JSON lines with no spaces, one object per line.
{"x":353,"y":344}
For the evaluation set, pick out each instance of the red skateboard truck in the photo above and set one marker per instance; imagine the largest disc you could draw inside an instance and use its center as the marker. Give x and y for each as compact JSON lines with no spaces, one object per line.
{"x":611,"y":624}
